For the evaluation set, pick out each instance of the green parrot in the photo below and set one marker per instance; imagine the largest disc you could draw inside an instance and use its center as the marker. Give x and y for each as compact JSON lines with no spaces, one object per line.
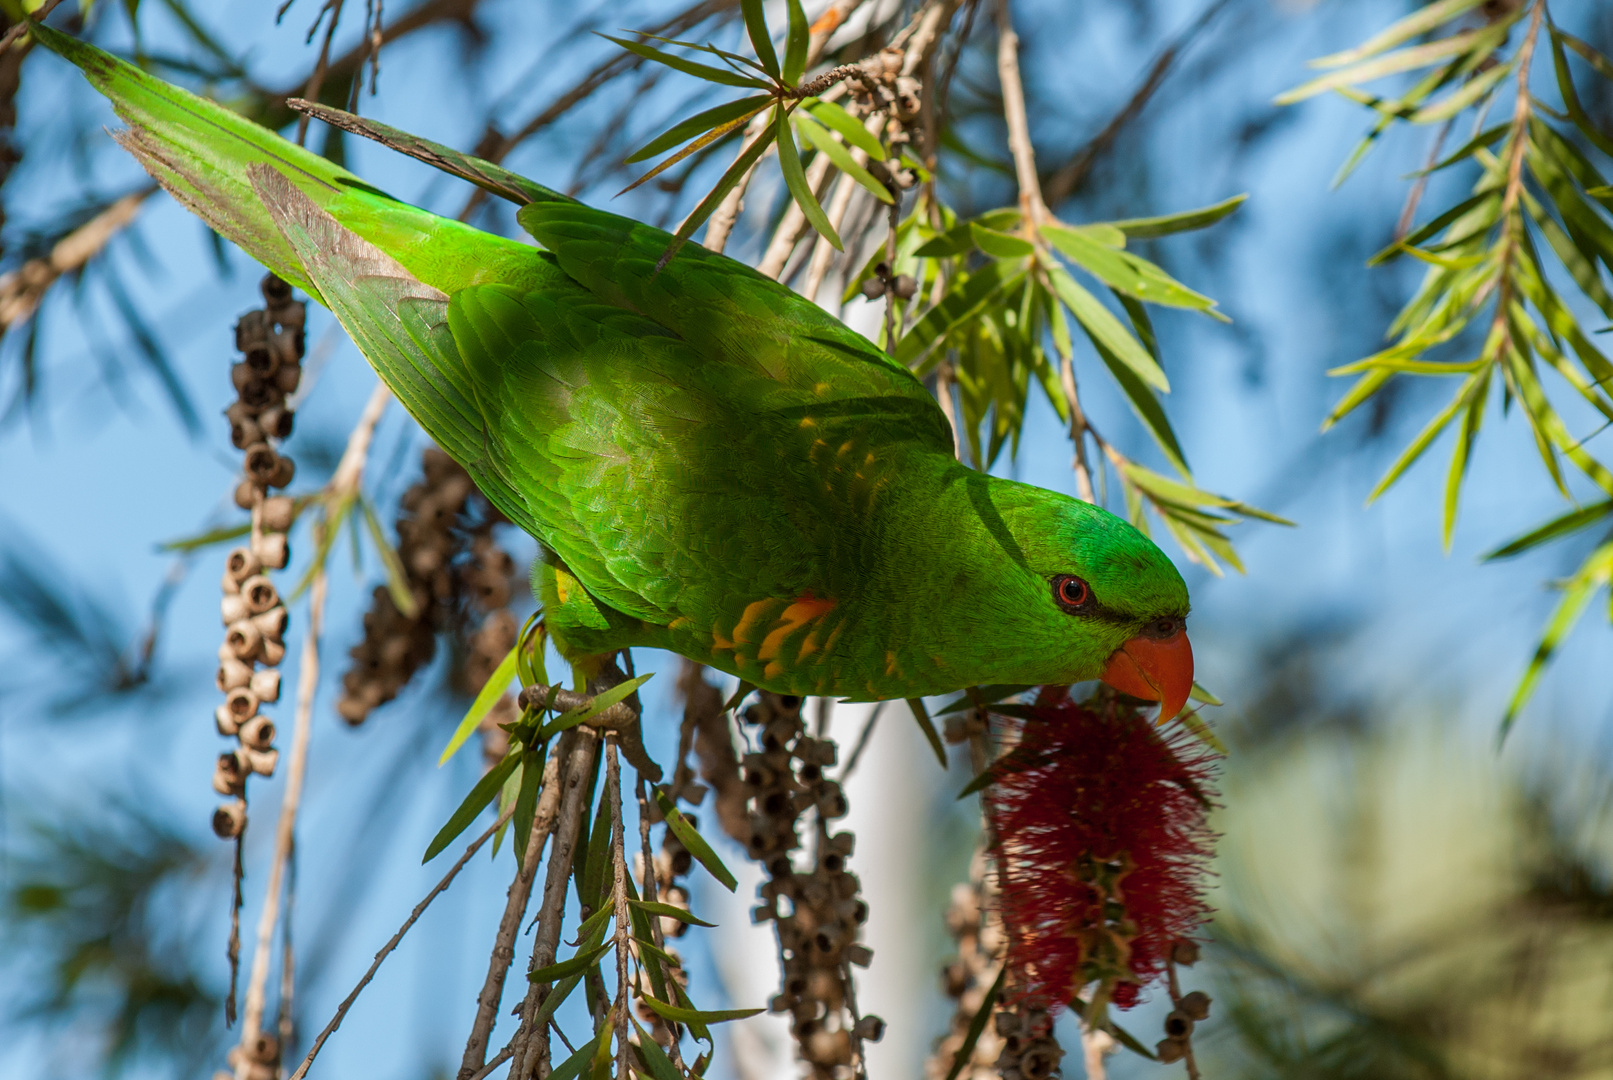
{"x":710,"y":463}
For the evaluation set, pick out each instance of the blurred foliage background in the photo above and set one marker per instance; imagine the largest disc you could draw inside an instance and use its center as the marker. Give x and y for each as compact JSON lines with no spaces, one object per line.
{"x":1397,"y":898}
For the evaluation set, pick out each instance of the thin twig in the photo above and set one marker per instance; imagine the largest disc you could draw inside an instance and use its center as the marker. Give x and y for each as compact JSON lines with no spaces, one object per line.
{"x":577,"y":749}
{"x":1517,"y":149}
{"x":652,"y":892}
{"x":823,"y":252}
{"x":232,"y":951}
{"x":22,"y":289}
{"x":509,"y":926}
{"x":1068,"y":178}
{"x":721,"y":222}
{"x":498,"y":1059}
{"x":862,"y":742}
{"x":316,"y":80}
{"x":386,"y":950}
{"x":285,"y":829}
{"x":1408,"y":213}
{"x":288,"y":967}
{"x":21,"y":27}
{"x":1019,"y":134}
{"x":345,"y":480}
{"x":618,"y":852}
{"x":793,"y":225}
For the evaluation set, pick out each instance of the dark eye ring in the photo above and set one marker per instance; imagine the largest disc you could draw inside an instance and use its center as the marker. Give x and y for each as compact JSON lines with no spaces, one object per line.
{"x":1071,"y":592}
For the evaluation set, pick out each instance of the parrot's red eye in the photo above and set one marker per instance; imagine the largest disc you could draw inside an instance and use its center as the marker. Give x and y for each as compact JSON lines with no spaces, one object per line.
{"x":1071,"y":592}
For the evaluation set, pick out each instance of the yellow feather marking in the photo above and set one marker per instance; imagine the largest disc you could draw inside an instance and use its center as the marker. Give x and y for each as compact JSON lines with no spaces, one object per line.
{"x":561,"y":580}
{"x":773,"y":670}
{"x":808,"y":422}
{"x":890,"y":662}
{"x":808,"y":609}
{"x":718,"y":642}
{"x":752,"y":617}
{"x":822,"y":388}
{"x":679,"y":623}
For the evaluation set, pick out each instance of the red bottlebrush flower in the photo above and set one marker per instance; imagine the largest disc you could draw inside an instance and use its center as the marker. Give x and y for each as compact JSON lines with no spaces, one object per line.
{"x":1102,"y":845}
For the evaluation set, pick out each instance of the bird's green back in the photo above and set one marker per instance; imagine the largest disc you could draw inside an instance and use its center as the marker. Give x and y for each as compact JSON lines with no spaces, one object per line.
{"x":712,"y":463}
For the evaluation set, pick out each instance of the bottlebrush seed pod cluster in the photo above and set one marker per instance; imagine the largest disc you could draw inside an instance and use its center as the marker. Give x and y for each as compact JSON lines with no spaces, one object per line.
{"x":453,"y":569}
{"x":976,"y":926}
{"x":1099,"y":830}
{"x":819,"y":914}
{"x":1029,"y":1050}
{"x":270,"y":340}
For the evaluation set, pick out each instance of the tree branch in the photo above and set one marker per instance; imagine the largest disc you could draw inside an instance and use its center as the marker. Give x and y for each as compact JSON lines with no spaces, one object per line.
{"x":386,"y":950}
{"x":509,"y":926}
{"x":1068,"y":178}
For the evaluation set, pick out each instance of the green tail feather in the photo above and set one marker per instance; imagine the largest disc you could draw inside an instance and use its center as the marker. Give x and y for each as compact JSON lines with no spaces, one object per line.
{"x":384,"y":268}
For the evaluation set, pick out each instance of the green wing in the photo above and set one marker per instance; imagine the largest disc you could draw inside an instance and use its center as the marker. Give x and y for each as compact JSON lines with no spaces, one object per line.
{"x":686,"y":441}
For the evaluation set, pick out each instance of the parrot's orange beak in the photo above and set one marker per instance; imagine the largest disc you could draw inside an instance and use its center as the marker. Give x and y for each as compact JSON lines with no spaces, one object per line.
{"x":1154,"y":669}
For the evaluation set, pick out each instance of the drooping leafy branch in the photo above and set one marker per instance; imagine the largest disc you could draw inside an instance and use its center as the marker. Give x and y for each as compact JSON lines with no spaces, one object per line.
{"x":1490,"y":310}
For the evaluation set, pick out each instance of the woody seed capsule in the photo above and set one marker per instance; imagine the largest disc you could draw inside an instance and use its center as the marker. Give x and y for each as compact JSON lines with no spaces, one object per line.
{"x":229,"y":820}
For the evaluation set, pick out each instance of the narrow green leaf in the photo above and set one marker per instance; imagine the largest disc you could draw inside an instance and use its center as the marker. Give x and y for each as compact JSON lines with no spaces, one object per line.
{"x":1000,"y":245}
{"x":1558,"y":527}
{"x":668,"y":911}
{"x":1422,"y":21}
{"x":661,"y":1067}
{"x":826,"y":143}
{"x":1470,"y":91}
{"x":574,"y":966}
{"x":703,"y":1016}
{"x":1102,"y":326}
{"x":594,"y":884}
{"x":397,"y":582}
{"x":742,"y":165}
{"x":1186,"y":221}
{"x":795,"y":178}
{"x":850,"y":128}
{"x":572,"y":1067}
{"x":1593,"y":573}
{"x":926,"y":725}
{"x":977,"y":1025}
{"x":480,"y":795}
{"x":1409,"y":59}
{"x":723,"y":76}
{"x":796,"y":44}
{"x":486,"y":698}
{"x":743,"y":110}
{"x":1466,"y":434}
{"x":691,"y":839}
{"x":760,"y":40}
{"x":207,"y":539}
{"x":968,"y":297}
{"x":1124,"y":271}
{"x":526,"y":801}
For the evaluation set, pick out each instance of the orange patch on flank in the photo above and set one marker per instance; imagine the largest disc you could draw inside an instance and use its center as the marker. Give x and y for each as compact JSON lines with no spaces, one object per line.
{"x":773,"y":670}
{"x":718,"y":642}
{"x":749,"y":620}
{"x":679,"y":623}
{"x":890,"y":662}
{"x":560,"y":589}
{"x":807,"y":609}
